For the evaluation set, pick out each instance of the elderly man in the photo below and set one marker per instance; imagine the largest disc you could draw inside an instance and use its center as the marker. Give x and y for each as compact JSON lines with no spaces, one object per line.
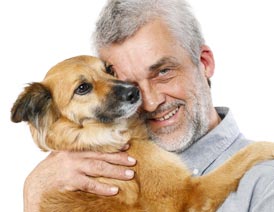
{"x":158,"y":45}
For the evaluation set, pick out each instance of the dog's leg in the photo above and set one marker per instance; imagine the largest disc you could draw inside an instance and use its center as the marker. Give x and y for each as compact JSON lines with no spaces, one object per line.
{"x":66,"y":135}
{"x":56,"y":201}
{"x":213,"y":188}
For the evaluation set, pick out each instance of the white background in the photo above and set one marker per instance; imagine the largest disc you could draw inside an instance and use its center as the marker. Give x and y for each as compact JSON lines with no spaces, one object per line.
{"x":35,"y":35}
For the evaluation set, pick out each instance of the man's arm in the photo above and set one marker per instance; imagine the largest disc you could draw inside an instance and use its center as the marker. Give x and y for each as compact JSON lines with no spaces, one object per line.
{"x":255,"y":192}
{"x":74,"y":171}
{"x":263,"y":190}
{"x":266,"y":202}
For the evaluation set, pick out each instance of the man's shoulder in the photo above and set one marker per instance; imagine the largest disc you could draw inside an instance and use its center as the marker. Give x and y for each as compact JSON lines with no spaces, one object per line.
{"x":260,"y":173}
{"x":260,"y":178}
{"x":255,"y":191}
{"x":266,"y":166}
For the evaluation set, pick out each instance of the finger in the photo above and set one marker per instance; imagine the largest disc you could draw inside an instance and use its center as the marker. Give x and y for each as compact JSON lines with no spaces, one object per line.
{"x":99,"y":168}
{"x":120,"y":158}
{"x":126,"y":147}
{"x":88,"y":184}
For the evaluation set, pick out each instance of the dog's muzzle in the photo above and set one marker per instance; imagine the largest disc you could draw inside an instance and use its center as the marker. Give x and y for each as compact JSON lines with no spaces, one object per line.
{"x":127,"y":92}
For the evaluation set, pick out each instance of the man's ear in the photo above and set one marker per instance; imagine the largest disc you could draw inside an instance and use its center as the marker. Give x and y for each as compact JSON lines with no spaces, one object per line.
{"x":207,"y":61}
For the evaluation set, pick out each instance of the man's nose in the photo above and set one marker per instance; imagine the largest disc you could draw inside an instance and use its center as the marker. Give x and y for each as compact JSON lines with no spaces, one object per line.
{"x":151,"y":97}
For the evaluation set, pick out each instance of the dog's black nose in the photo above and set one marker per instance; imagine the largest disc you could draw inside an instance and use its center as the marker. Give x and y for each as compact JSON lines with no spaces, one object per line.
{"x":127,"y":93}
{"x":131,"y":95}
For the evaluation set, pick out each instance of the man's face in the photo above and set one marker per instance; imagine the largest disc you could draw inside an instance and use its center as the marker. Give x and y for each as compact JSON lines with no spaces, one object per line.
{"x":176,"y":97}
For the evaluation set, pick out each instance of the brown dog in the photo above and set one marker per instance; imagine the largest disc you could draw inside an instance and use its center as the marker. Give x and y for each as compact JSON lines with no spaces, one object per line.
{"x":79,"y":107}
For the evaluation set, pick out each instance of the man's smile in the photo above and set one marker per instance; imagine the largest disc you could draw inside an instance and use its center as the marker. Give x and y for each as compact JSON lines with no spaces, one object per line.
{"x":168,"y":115}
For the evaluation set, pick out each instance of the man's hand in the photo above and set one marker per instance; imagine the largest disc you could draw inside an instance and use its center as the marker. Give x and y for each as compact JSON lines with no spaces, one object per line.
{"x":74,"y":171}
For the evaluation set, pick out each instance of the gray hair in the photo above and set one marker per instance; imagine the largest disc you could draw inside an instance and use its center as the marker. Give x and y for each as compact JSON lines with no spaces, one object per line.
{"x":120,"y":19}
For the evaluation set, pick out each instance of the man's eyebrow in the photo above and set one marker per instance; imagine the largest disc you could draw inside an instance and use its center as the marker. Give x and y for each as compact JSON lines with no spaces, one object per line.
{"x":163,"y":61}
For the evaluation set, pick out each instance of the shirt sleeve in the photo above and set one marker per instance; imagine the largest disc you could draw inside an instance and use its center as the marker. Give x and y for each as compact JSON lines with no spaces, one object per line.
{"x":264,"y":199}
{"x":255,"y":192}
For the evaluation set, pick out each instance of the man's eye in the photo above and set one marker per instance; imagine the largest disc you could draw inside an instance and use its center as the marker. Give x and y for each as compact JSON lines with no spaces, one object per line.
{"x":83,"y":89}
{"x":110,"y":70}
{"x":163,"y":71}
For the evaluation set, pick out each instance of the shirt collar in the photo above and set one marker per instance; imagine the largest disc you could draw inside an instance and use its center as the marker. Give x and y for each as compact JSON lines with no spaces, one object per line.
{"x":207,"y":149}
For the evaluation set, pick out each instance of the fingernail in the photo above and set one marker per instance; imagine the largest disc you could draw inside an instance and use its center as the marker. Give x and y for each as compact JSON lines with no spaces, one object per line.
{"x":132,"y":160}
{"x":114,"y":190}
{"x":129,"y":173}
{"x":126,"y":147}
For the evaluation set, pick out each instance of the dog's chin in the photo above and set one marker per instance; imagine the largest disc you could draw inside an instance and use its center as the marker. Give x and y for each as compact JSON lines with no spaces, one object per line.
{"x":132,"y":109}
{"x":125,"y":111}
{"x":130,"y":112}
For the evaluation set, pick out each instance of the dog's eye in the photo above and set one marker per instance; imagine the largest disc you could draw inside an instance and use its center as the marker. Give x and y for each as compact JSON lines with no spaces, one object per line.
{"x":83,"y":89}
{"x":110,"y":70}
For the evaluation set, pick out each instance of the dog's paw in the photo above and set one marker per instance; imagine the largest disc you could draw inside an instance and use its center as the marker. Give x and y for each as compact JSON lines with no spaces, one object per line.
{"x":119,"y":138}
{"x":122,"y":135}
{"x":104,"y":139}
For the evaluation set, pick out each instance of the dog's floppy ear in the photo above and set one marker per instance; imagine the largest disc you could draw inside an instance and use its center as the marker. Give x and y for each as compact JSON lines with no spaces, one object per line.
{"x":35,"y":106}
{"x":32,"y":104}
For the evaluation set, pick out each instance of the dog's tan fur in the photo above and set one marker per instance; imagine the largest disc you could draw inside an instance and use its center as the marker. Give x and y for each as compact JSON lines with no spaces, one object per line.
{"x":61,"y":120}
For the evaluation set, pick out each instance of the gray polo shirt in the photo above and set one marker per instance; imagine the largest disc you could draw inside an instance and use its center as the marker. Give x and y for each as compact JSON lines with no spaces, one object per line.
{"x":256,"y":189}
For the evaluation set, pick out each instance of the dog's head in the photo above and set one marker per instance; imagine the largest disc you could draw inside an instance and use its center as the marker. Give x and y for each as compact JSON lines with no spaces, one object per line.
{"x":79,"y":89}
